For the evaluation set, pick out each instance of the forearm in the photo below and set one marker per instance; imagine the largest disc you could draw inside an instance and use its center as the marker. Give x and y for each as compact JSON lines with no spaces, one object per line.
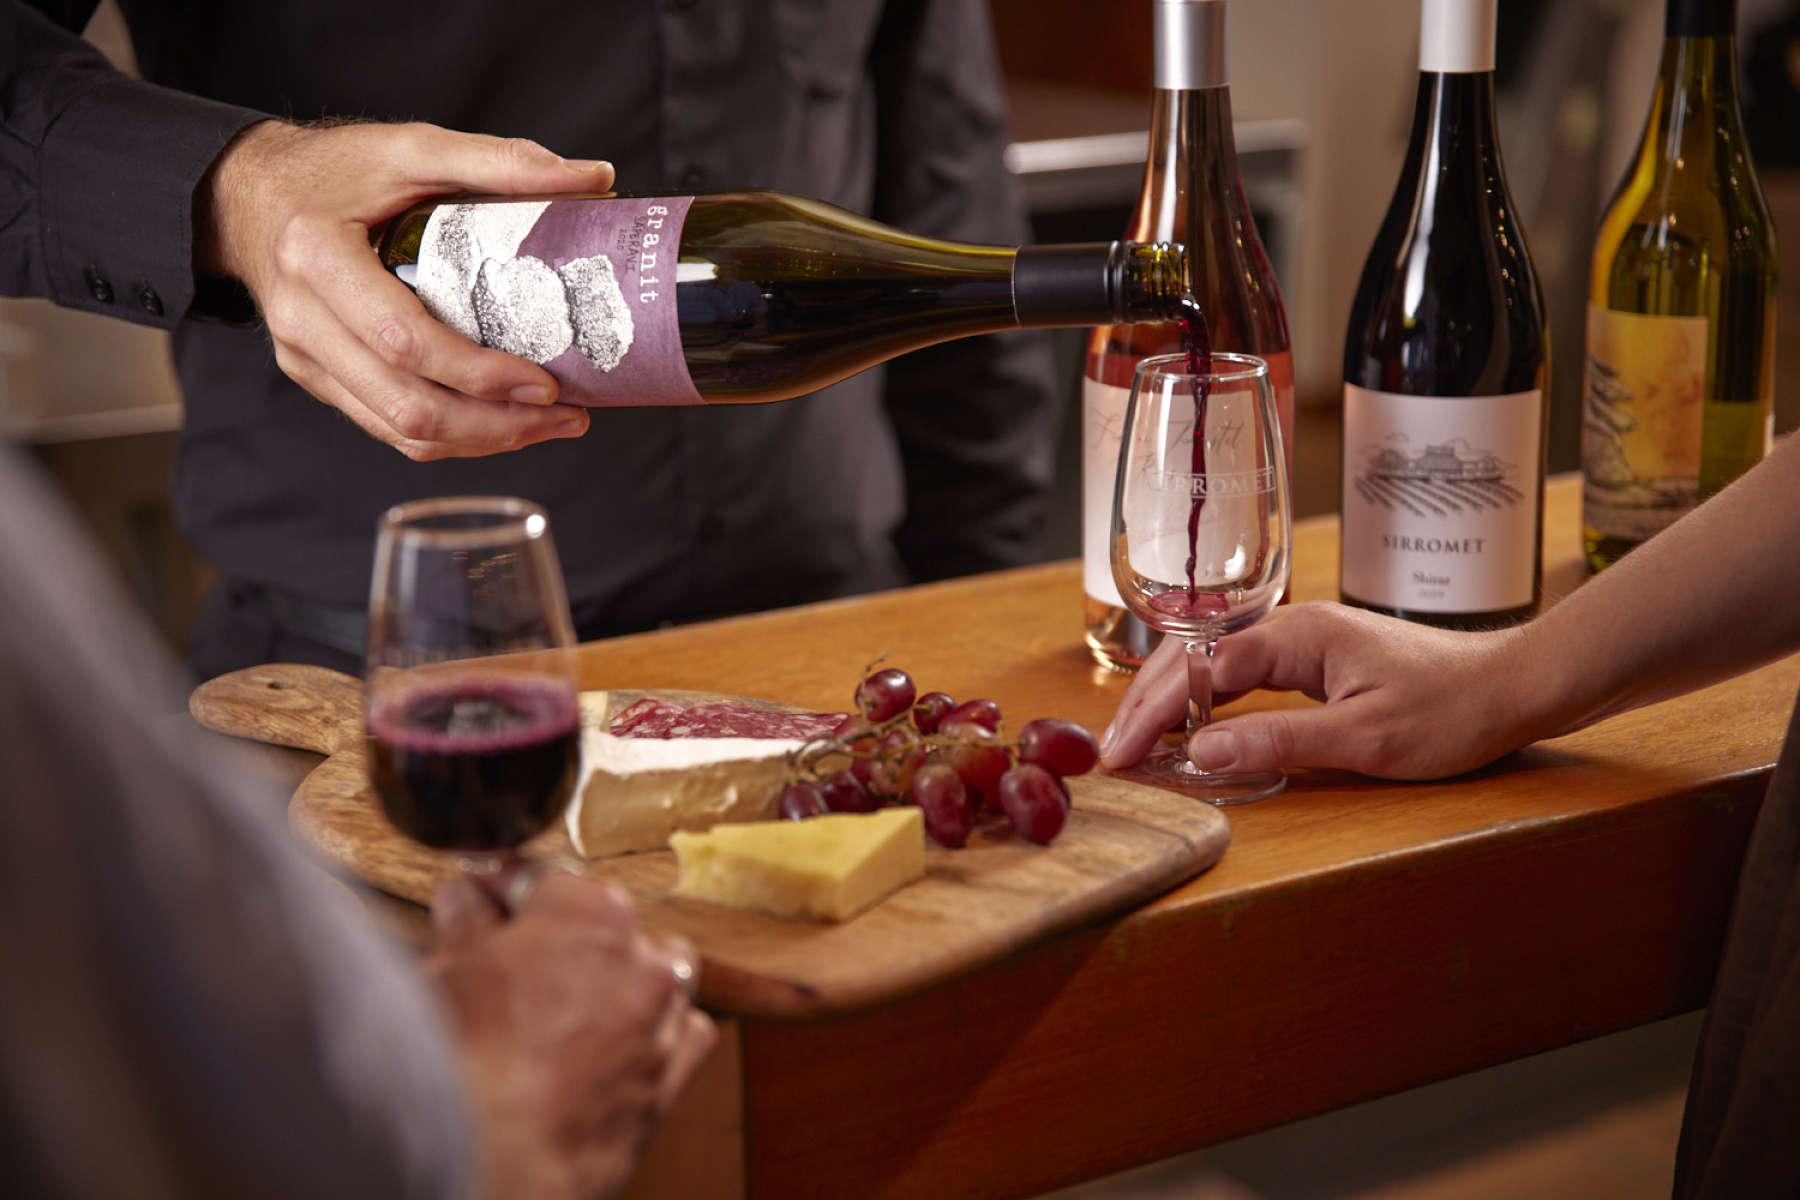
{"x":1716,"y":594}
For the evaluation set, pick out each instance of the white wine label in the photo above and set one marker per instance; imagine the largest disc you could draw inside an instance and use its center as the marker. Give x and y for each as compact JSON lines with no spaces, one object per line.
{"x":1643,"y":406}
{"x":584,"y":288}
{"x":1102,"y":433}
{"x":1442,"y":500}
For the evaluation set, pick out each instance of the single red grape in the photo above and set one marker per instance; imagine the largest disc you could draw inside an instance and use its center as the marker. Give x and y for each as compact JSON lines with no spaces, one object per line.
{"x":901,"y":751}
{"x":929,"y":709}
{"x":844,"y":792}
{"x":802,"y":800}
{"x":985,"y":713}
{"x":885,"y":694}
{"x":980,"y":764}
{"x":944,"y":803}
{"x":1061,"y":747}
{"x":1035,"y":802}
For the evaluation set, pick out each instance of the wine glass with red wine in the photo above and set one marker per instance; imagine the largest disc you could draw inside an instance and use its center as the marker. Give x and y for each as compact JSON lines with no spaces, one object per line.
{"x":471,"y":716}
{"x":1202,"y":531}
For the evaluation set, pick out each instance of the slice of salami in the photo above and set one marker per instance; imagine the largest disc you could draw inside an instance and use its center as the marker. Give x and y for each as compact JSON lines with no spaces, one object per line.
{"x":645,"y":718}
{"x":651,"y":718}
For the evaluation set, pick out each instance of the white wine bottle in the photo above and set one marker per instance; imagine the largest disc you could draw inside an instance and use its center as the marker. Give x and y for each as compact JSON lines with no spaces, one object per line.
{"x":1445,"y":365}
{"x":1679,"y":392}
{"x":740,"y":297}
{"x":1191,"y":194}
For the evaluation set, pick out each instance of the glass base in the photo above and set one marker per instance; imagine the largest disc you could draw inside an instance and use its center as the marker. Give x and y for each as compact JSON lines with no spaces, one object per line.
{"x":1168,"y":767}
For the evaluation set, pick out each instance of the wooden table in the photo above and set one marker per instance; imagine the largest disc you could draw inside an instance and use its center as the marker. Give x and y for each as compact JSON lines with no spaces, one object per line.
{"x":1358,"y":938}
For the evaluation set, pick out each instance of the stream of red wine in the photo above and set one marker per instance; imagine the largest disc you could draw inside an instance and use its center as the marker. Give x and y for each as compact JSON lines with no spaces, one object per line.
{"x":1197,"y":341}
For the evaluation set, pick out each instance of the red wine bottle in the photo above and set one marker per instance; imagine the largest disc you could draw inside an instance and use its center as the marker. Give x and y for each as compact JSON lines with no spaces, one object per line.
{"x":740,"y":297}
{"x":1191,"y":194}
{"x":1445,"y":365}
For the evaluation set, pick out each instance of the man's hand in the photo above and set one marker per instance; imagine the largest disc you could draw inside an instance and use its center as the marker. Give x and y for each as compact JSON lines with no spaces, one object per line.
{"x":287,"y":209}
{"x":576,"y":1031}
{"x":1401,"y":701}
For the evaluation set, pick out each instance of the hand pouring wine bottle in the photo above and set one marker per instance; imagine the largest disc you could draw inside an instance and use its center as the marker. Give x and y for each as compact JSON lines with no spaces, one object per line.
{"x":1191,"y":194}
{"x":1445,"y":364}
{"x":740,"y":297}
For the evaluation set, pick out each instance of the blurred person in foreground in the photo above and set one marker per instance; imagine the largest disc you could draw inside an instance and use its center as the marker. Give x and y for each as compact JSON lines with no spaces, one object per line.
{"x":1714,"y":595}
{"x":189,"y":1008}
{"x":937,"y":464}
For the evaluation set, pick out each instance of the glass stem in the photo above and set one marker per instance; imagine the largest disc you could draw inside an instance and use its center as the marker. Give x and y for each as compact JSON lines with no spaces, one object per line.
{"x":1200,"y":695}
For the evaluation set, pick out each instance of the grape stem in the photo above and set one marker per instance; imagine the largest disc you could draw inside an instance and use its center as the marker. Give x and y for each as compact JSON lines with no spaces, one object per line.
{"x":803,"y":760}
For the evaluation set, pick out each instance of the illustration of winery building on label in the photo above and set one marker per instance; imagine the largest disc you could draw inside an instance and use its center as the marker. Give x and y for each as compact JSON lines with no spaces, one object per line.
{"x":1438,"y":481}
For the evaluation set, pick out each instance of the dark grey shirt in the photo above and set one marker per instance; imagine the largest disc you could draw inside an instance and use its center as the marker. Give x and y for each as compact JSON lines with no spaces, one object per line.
{"x":936,"y":465}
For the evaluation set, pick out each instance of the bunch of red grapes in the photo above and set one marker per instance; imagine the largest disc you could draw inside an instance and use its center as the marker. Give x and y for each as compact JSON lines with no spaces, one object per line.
{"x":945,"y":757}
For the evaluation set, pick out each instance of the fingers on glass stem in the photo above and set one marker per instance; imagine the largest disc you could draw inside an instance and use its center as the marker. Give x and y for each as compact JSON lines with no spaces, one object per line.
{"x":1199,"y":673}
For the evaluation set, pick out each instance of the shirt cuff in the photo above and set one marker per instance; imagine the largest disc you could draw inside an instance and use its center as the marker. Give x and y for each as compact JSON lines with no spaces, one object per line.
{"x":120,"y":167}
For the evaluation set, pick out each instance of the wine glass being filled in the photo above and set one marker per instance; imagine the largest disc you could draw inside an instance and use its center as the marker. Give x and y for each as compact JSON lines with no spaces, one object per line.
{"x":471,"y":711}
{"x":1202,"y":531}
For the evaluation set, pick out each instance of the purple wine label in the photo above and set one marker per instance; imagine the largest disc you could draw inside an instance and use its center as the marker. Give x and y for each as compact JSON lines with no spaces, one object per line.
{"x":585,"y":288}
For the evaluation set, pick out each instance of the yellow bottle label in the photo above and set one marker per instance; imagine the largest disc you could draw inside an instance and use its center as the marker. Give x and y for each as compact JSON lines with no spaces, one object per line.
{"x":1643,"y":409}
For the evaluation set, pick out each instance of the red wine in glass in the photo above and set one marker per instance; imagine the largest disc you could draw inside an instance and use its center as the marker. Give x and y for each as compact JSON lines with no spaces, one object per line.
{"x":1197,"y":342}
{"x":475,"y":764}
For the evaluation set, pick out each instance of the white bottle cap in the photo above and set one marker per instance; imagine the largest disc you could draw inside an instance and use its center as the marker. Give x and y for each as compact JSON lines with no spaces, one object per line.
{"x":1190,"y":44}
{"x":1456,"y":36}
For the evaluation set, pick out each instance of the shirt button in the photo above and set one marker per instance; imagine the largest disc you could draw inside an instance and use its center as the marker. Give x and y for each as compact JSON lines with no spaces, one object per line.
{"x":151,"y":301}
{"x":712,"y":527}
{"x":692,"y":179}
{"x":99,"y":289}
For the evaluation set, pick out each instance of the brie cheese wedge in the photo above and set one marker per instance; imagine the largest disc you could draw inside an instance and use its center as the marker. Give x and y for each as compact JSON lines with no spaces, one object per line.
{"x":634,"y":792}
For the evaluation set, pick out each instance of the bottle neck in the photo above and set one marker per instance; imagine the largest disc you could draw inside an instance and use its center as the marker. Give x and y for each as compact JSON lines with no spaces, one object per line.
{"x":1098,"y":283}
{"x":1700,"y":18}
{"x":1700,"y":65}
{"x":1193,"y":155}
{"x":1454,"y":122}
{"x":1696,"y":99}
{"x":1192,"y":163}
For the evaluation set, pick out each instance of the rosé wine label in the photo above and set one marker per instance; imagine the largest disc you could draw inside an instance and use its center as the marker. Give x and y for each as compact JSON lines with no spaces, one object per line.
{"x":585,"y":288}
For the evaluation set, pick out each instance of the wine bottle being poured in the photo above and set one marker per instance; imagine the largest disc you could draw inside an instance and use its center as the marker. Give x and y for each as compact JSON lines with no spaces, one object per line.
{"x":741,"y":297}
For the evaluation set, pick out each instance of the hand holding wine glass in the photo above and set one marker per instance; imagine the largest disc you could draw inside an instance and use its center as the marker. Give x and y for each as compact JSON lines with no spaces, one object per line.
{"x":1202,"y":531}
{"x":471,"y":712}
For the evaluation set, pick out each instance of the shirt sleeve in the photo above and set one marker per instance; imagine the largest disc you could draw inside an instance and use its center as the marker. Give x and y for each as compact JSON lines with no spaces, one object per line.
{"x":975,"y":417}
{"x":97,"y":177}
{"x":188,"y":1006}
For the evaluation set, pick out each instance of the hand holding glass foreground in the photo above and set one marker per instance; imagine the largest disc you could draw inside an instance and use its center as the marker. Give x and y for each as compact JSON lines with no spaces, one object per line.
{"x":1202,"y":530}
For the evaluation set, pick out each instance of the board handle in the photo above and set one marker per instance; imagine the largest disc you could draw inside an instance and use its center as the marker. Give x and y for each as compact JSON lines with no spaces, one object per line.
{"x":284,"y":704}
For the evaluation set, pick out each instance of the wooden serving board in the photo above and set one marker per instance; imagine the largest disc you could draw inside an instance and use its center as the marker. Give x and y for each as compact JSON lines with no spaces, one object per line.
{"x":1124,"y":843}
